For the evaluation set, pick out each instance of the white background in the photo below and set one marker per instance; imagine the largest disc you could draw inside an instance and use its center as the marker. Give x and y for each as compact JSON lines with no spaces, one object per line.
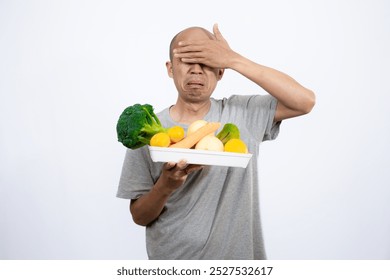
{"x":69,"y":68}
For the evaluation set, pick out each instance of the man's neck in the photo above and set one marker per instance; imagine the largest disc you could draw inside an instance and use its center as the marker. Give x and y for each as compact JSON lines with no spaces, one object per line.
{"x":186,"y":113}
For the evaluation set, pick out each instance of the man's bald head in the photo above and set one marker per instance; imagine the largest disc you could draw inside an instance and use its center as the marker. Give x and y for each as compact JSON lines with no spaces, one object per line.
{"x":188,"y":32}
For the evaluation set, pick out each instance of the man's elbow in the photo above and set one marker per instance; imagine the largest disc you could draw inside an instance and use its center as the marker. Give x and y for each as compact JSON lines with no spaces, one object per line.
{"x":139,"y":222}
{"x":309,"y":102}
{"x":137,"y":218}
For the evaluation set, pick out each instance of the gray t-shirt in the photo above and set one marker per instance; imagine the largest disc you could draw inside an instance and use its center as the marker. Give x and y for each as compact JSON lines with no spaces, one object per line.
{"x":215,"y":214}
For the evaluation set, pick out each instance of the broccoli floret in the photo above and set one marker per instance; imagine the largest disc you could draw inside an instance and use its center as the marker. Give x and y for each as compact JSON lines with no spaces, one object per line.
{"x":137,"y":125}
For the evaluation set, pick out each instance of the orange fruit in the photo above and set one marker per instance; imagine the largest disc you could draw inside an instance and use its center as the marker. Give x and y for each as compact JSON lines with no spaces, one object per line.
{"x":160,"y":139}
{"x":236,"y":146}
{"x":176,"y":133}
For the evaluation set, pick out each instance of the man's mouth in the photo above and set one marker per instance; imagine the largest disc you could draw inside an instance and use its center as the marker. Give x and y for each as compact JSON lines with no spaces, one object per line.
{"x":195,"y":84}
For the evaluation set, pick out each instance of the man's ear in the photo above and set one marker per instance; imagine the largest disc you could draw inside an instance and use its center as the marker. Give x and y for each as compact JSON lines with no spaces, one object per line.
{"x":168,"y":64}
{"x":220,"y":74}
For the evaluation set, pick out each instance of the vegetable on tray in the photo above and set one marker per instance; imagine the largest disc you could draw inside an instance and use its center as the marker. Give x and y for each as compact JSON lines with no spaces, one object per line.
{"x":228,"y":132}
{"x":137,"y":125}
{"x":189,"y":141}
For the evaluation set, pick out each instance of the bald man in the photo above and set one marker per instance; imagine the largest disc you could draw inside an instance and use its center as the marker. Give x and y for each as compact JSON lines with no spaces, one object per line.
{"x":209,"y":212}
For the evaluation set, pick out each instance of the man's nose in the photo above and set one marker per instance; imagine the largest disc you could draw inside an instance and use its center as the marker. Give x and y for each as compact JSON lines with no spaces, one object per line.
{"x":196,"y":68}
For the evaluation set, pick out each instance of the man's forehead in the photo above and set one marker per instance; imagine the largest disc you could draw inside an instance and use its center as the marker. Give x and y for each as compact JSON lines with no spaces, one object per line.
{"x":195,"y":33}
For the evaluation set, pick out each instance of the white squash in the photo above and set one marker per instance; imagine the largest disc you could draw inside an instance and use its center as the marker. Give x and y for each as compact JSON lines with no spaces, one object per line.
{"x":194,"y":126}
{"x":210,"y":143}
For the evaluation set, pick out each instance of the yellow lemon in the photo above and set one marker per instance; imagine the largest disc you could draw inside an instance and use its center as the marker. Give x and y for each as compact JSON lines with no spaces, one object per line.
{"x":160,"y":139}
{"x":236,"y":146}
{"x":176,"y":133}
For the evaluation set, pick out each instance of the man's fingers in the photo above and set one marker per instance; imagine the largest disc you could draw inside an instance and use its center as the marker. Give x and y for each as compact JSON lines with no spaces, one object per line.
{"x":193,"y":167}
{"x":169,"y":165}
{"x":218,"y":33}
{"x":182,"y":164}
{"x":189,"y":55}
{"x":189,"y":47}
{"x":192,"y":60}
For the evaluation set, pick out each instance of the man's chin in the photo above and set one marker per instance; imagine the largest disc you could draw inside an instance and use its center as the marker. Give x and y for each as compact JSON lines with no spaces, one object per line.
{"x":196,"y":97}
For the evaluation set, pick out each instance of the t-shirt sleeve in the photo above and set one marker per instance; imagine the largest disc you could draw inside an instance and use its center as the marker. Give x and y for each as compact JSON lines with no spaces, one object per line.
{"x":136,"y":178}
{"x":269,"y":104}
{"x":257,"y":112}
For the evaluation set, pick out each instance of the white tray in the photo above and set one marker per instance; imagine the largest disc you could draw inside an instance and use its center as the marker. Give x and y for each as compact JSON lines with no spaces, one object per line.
{"x":202,"y":157}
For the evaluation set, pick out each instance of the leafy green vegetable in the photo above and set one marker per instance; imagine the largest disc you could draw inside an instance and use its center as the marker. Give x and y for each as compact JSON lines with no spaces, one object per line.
{"x":137,"y":125}
{"x":229,"y":131}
